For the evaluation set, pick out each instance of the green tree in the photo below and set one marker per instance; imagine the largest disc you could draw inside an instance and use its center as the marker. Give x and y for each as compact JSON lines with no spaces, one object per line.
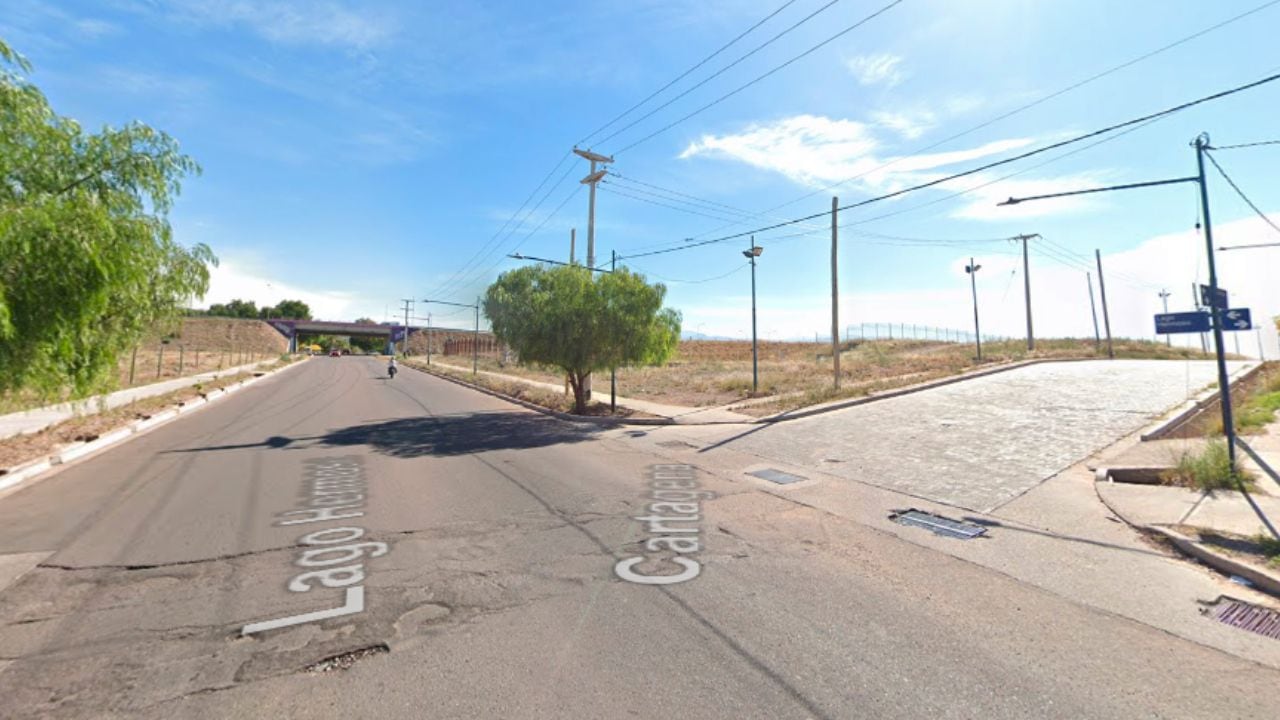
{"x":368,"y":344}
{"x":292,"y":310}
{"x":88,"y":263}
{"x":564,"y":317}
{"x":237,"y":308}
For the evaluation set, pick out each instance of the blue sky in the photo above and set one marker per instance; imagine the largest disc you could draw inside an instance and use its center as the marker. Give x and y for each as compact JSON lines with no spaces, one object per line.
{"x":358,"y":153}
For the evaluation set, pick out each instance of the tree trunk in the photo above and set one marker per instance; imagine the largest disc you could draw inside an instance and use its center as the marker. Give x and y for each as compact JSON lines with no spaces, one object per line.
{"x":576,"y":381}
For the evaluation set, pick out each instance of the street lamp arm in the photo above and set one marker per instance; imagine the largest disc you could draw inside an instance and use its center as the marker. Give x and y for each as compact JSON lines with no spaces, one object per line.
{"x":1248,"y":247}
{"x":446,"y":302}
{"x":1130,"y":186}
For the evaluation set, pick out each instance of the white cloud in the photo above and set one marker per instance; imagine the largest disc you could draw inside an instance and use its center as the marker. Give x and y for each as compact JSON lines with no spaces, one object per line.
{"x":910,"y":125}
{"x":880,"y":69}
{"x":229,"y":281}
{"x":290,"y":22}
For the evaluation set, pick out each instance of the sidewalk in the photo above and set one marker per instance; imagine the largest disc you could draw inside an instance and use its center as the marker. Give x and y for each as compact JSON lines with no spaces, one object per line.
{"x":679,"y":414}
{"x":31,"y":421}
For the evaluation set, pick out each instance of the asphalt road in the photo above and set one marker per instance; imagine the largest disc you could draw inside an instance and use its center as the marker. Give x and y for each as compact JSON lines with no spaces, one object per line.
{"x":483,"y":540}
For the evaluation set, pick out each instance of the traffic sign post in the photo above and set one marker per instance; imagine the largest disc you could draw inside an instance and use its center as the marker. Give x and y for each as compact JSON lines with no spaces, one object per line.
{"x":1237,"y":319}
{"x":1213,"y":298}
{"x":1182,"y":322}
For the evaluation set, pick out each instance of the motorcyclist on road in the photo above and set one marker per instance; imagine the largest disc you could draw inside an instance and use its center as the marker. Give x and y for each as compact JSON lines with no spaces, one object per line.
{"x":391,"y":366}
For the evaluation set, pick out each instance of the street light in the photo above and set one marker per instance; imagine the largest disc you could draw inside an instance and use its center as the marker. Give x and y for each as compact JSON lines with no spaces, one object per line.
{"x":972,"y":269}
{"x":752,"y":254}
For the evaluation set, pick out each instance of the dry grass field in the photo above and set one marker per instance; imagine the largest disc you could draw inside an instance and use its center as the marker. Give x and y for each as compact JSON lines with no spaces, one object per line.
{"x":795,"y":374}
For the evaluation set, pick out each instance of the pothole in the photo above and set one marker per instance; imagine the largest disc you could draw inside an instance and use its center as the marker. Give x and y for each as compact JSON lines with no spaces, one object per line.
{"x":344,"y":661}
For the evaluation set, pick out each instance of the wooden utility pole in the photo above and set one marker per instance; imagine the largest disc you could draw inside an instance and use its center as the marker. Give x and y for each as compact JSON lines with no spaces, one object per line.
{"x":1106,"y":316}
{"x":835,"y":294}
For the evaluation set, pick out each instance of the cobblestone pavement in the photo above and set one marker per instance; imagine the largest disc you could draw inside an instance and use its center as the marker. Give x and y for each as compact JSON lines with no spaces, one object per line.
{"x":979,"y":444}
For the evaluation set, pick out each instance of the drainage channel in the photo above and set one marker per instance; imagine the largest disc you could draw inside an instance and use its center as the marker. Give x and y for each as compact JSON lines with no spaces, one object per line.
{"x":1247,"y":616}
{"x":938,"y":525}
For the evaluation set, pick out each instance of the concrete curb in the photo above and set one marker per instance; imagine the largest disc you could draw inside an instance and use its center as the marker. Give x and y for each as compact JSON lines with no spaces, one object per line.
{"x":544,"y":410}
{"x":1190,"y":408}
{"x":1262,"y":580}
{"x":47,"y":466}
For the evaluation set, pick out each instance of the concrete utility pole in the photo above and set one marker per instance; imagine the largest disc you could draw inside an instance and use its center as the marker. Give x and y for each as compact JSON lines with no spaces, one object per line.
{"x":835,"y":294}
{"x":1106,"y":316}
{"x":1093,"y":310}
{"x":972,"y":269}
{"x":1026,"y":279}
{"x":592,"y":180}
{"x":1164,"y":296}
{"x":752,"y":254}
{"x":404,"y":344}
{"x":573,"y":239}
{"x":428,"y":338}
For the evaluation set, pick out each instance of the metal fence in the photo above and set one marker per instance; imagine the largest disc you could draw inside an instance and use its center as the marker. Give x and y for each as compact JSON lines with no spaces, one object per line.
{"x":911,"y":331}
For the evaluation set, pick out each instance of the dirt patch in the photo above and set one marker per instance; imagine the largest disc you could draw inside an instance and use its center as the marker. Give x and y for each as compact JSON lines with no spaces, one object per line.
{"x":541,"y":397}
{"x":710,"y":373}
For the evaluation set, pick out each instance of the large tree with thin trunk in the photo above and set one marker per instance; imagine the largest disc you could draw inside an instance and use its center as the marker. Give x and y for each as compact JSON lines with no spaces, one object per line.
{"x":88,"y":263}
{"x":566,"y":318}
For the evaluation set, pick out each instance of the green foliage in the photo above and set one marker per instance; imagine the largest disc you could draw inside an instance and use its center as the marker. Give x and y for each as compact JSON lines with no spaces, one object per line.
{"x":368,"y":344}
{"x":1270,"y":547}
{"x":88,"y":263}
{"x":566,"y":318}
{"x":289,"y":309}
{"x":1208,"y":470}
{"x":235,"y":309}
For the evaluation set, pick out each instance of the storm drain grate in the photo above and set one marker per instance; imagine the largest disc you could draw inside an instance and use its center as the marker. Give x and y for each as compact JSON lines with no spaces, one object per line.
{"x":938,"y":525}
{"x":777,"y":476}
{"x":1243,"y":615}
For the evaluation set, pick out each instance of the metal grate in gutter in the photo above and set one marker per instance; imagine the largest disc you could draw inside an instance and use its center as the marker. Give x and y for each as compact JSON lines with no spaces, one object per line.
{"x":777,"y":476}
{"x":1247,"y":616}
{"x":938,"y":525}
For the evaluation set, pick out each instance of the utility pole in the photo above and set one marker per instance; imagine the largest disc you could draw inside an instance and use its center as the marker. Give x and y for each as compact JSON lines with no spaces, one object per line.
{"x":592,"y":180}
{"x":835,"y":295}
{"x":1106,"y":315}
{"x":1164,"y":296}
{"x":1093,"y":309}
{"x":613,"y":371}
{"x":404,"y":344}
{"x":1026,"y":278}
{"x":972,"y":269}
{"x":573,"y":238}
{"x":752,"y":254}
{"x":428,"y":338}
{"x":1224,"y":382}
{"x":475,"y":341}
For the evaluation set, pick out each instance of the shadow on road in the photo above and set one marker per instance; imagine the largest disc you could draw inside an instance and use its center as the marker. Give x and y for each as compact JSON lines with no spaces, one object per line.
{"x":444,"y":435}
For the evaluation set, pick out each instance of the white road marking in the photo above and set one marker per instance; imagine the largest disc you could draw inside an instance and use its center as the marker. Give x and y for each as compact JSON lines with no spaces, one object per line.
{"x":354,"y":604}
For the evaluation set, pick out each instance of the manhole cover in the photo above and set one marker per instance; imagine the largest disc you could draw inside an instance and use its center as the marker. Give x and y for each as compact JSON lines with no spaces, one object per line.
{"x":1247,"y":616}
{"x":938,"y":524}
{"x":777,"y":476}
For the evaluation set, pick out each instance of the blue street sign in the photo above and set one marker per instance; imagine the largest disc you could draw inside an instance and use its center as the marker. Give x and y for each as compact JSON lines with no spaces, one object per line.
{"x":1237,"y":319}
{"x":1183,"y":322}
{"x":1210,"y":300}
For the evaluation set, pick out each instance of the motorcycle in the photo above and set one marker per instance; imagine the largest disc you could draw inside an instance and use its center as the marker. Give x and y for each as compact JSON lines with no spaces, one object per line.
{"x":391,"y":371}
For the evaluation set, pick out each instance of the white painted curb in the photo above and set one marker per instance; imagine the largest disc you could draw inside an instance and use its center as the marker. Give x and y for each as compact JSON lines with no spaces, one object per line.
{"x":48,"y":466}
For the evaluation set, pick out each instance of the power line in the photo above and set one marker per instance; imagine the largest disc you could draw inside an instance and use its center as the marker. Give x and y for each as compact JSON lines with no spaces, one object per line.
{"x":686,"y":73}
{"x":717,"y":73}
{"x":734,"y":271}
{"x":1028,"y":106}
{"x":759,"y":78}
{"x":1247,"y":145}
{"x":690,"y":211}
{"x":1240,"y":192}
{"x":456,"y":280}
{"x":997,"y":163}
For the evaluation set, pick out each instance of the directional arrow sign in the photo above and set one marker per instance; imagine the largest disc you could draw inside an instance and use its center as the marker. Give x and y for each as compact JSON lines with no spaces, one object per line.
{"x":1237,"y":319}
{"x":1211,"y":300}
{"x":1183,"y":322}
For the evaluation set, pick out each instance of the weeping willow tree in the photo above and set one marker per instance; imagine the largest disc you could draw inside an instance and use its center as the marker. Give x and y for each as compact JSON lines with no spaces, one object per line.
{"x":88,"y":263}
